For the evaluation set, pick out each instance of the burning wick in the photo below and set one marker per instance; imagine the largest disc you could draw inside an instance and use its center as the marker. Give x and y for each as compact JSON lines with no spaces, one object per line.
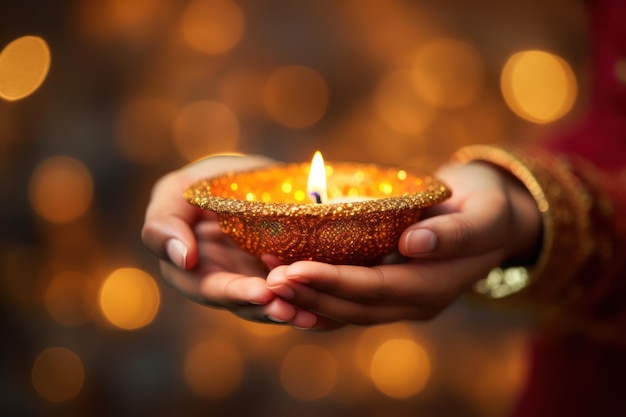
{"x":316,"y":197}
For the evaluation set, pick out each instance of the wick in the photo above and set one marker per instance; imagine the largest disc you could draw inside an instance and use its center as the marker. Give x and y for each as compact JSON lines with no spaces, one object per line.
{"x":317,"y":196}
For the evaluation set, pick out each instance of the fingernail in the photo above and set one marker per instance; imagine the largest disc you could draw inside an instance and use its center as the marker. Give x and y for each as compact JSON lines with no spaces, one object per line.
{"x":304,"y":320}
{"x":275,"y":320}
{"x":177,"y":252}
{"x":420,"y":241}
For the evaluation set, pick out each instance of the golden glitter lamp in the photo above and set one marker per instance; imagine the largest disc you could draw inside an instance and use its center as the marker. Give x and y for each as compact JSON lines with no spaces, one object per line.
{"x":339,"y":213}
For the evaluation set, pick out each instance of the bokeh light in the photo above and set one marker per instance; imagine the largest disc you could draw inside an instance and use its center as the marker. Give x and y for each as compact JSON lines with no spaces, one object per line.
{"x":24,"y":64}
{"x":492,"y":376}
{"x":71,"y":298}
{"x":296,"y":96}
{"x":388,"y":29}
{"x":136,"y":21}
{"x":399,"y":106}
{"x":538,"y":86}
{"x":144,"y":130}
{"x":9,"y":137}
{"x":205,"y":127}
{"x":448,"y":73}
{"x":129,"y":90}
{"x":61,"y":189}
{"x":213,"y":368}
{"x":400,"y":368}
{"x":129,"y":298}
{"x":262,"y":329}
{"x":58,"y":374}
{"x":212,"y":26}
{"x":308,"y":372}
{"x":370,"y":340}
{"x":242,"y":90}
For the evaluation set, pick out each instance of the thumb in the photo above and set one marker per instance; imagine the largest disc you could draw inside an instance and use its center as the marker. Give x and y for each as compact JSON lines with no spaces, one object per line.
{"x":479,"y":226}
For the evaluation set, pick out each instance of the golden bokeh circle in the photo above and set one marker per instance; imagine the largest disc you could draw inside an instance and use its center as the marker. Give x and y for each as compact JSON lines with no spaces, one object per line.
{"x":205,"y":127}
{"x":61,"y":189}
{"x":399,"y":106}
{"x":129,"y":298}
{"x":58,"y":374}
{"x":308,"y":372}
{"x":538,"y":86}
{"x":296,"y":96}
{"x":212,"y":26}
{"x":400,"y":368}
{"x":70,"y":298}
{"x":144,"y":130}
{"x":448,"y":73}
{"x":213,"y":368}
{"x":24,"y":64}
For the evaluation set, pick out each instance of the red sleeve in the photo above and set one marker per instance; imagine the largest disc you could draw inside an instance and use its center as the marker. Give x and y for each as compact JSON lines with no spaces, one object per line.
{"x":578,"y":179}
{"x":597,"y":153}
{"x":579,"y":357}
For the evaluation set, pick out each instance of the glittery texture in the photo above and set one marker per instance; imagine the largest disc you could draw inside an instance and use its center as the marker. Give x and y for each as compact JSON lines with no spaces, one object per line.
{"x":268,"y":210}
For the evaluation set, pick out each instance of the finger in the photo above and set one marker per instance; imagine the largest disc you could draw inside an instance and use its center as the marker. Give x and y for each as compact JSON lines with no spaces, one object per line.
{"x":431,"y":283}
{"x":332,"y":311}
{"x":227,"y":289}
{"x":217,"y":289}
{"x":481,"y":225}
{"x":271,"y":261}
{"x":382,"y":285}
{"x":221,"y":254}
{"x":209,"y":229}
{"x":167,"y":229}
{"x":281,"y":311}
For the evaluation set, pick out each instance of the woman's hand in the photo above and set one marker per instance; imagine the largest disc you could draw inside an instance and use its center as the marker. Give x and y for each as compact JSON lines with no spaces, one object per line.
{"x":489,"y":219}
{"x":198,"y":259}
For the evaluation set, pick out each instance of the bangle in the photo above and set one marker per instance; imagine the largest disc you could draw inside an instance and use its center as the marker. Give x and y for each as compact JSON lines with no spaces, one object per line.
{"x":564,"y":204}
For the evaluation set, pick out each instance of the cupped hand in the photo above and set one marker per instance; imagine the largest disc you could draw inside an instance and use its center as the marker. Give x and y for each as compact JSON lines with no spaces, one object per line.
{"x":490,"y":219}
{"x":197,"y":259}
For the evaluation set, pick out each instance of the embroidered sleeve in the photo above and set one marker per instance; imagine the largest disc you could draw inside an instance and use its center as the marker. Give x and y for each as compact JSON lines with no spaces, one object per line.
{"x":580,"y":276}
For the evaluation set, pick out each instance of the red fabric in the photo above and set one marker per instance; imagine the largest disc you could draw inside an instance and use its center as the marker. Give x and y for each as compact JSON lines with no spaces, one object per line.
{"x":574,"y":375}
{"x":602,"y":136}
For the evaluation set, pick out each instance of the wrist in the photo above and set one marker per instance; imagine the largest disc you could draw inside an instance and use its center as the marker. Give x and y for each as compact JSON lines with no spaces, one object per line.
{"x":563,"y":205}
{"x":526,"y":224}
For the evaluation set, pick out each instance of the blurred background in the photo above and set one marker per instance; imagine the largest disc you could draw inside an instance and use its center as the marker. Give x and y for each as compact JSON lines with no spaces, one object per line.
{"x":99,"y":98}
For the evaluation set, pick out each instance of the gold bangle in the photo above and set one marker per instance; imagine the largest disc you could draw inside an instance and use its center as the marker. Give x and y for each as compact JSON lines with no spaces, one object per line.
{"x":564,"y":205}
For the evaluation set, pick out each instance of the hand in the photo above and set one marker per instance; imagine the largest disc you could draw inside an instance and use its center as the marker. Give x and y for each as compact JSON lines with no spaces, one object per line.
{"x":489,"y":219}
{"x":198,"y":259}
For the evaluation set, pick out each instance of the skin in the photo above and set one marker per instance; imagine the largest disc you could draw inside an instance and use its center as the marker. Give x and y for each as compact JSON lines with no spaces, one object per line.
{"x":490,"y":219}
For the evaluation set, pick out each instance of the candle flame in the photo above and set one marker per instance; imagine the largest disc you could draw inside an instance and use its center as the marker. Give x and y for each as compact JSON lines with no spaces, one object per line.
{"x":316,"y":185}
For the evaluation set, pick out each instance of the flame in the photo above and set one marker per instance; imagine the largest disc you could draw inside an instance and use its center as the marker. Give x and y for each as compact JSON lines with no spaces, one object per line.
{"x":316,"y":185}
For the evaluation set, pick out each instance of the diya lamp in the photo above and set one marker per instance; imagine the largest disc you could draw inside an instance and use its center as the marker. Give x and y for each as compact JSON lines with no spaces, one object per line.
{"x":339,"y":213}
